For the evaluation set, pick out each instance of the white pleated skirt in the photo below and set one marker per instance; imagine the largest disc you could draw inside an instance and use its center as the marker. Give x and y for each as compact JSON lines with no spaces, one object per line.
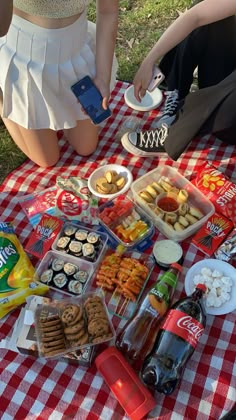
{"x":38,"y":66}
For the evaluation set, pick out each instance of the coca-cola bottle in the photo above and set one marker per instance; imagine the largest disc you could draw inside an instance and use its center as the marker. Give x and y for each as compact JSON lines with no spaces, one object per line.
{"x":136,"y":339}
{"x":175,"y":343}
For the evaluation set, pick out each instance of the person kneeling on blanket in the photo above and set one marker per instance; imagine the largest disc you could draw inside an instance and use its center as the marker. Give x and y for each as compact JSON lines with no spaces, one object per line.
{"x":193,"y":40}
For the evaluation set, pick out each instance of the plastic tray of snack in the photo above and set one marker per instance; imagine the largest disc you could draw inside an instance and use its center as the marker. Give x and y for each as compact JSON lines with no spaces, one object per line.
{"x":64,"y":273}
{"x":70,"y":324}
{"x":126,"y":224}
{"x":123,"y":278}
{"x":80,"y":241}
{"x":177,"y":208}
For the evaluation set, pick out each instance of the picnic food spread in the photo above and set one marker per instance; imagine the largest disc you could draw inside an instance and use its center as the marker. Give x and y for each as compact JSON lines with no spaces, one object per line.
{"x":92,"y":282}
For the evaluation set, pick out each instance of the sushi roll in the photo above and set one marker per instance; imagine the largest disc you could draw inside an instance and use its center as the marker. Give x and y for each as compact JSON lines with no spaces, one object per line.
{"x":75,"y":248}
{"x":81,"y":276}
{"x":89,"y":251}
{"x":57,"y":265}
{"x":81,"y":235}
{"x":70,"y":269}
{"x":62,"y":243}
{"x":75,"y":287}
{"x":60,"y":280}
{"x":70,"y":230}
{"x":46,"y":276}
{"x":93,"y":238}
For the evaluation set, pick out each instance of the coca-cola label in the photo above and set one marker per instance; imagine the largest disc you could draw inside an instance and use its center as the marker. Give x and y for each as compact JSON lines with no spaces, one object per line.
{"x":184,"y":326}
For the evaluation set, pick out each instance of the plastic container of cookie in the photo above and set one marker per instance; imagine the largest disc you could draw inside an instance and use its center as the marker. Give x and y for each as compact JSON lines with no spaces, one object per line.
{"x":71,"y":324}
{"x":122,"y":278}
{"x":177,"y":208}
{"x":126,"y":224}
{"x":81,"y":242}
{"x":64,"y":273}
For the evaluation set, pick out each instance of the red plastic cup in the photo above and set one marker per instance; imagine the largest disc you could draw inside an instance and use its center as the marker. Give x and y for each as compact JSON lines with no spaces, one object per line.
{"x":132,"y":395}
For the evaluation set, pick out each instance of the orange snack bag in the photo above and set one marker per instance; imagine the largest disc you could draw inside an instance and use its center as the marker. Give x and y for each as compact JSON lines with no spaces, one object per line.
{"x":219,"y":189}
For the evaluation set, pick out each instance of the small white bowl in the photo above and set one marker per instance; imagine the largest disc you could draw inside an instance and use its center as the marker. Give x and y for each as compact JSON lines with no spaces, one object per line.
{"x":150,"y":101}
{"x":100,"y":172}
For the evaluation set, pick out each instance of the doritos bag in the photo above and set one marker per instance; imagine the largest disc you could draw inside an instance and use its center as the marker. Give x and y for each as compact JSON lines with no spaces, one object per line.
{"x":16,"y":272}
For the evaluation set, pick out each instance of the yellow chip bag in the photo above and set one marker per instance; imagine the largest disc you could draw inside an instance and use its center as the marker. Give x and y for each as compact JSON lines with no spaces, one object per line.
{"x":16,"y":272}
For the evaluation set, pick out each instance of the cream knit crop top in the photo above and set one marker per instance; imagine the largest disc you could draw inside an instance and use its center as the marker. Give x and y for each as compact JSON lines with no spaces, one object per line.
{"x":52,"y":8}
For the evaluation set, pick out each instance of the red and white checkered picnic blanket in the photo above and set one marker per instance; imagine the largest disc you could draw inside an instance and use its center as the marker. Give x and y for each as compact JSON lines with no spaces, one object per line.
{"x":35,"y":389}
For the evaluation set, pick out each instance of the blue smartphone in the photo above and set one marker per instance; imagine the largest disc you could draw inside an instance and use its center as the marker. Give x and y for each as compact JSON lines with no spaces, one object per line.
{"x":91,"y":100}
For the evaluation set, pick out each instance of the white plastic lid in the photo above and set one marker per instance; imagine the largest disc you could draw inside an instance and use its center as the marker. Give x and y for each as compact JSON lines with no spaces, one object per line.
{"x":167,"y":252}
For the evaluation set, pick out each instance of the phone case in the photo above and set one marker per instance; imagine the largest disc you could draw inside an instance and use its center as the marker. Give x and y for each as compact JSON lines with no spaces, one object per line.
{"x":157,"y":78}
{"x":91,"y":99}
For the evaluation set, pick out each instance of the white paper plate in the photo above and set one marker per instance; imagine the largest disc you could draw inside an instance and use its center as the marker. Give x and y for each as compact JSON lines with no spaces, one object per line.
{"x":100,"y":172}
{"x":227,"y":270}
{"x":150,"y":101}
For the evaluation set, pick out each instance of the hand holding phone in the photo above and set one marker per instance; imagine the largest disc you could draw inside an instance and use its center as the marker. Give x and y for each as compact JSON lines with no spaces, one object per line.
{"x":91,"y":99}
{"x":157,"y":78}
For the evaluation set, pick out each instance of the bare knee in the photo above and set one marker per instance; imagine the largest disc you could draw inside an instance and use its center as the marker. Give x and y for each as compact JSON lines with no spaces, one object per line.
{"x":83,"y":138}
{"x":47,"y":162}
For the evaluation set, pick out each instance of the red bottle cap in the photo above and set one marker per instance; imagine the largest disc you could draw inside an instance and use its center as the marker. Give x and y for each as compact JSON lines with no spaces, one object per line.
{"x":202,"y":287}
{"x":178,"y":266}
{"x":132,"y":395}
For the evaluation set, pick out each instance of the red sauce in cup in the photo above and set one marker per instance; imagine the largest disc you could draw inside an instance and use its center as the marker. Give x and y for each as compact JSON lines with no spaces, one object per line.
{"x":168,"y":204}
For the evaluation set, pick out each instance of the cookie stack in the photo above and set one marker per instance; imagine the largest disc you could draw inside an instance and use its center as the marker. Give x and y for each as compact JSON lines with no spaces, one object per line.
{"x":52,"y":336}
{"x":74,"y":325}
{"x":97,"y":321}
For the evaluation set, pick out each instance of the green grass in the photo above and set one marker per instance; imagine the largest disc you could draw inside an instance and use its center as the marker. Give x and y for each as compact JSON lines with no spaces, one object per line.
{"x":141,"y":23}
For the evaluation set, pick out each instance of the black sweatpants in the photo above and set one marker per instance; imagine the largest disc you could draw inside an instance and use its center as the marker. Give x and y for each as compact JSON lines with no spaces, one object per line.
{"x":212,"y":109}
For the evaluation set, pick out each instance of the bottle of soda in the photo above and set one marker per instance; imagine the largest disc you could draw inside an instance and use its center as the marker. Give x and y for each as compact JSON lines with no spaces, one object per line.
{"x":136,"y":339}
{"x":175,"y":343}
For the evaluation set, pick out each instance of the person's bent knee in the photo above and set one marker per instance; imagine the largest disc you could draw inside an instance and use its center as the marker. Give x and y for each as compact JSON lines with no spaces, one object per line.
{"x":86,"y":152}
{"x":47,"y":162}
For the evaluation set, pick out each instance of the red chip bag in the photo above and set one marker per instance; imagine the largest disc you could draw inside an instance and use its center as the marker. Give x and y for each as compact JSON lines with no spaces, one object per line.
{"x":219,"y":189}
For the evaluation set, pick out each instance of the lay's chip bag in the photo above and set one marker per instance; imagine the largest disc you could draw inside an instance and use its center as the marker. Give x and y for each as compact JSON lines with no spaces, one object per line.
{"x":16,"y":272}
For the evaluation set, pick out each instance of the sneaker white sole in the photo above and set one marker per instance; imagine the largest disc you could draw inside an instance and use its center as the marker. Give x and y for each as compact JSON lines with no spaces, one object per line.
{"x":134,"y":150}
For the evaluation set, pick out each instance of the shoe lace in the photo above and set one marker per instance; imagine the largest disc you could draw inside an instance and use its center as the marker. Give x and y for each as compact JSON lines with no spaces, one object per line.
{"x":171,"y":103}
{"x":154,"y":138}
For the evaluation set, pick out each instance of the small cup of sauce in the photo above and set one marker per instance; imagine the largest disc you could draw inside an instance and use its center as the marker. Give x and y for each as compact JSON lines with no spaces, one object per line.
{"x":167,"y":252}
{"x":167,"y":202}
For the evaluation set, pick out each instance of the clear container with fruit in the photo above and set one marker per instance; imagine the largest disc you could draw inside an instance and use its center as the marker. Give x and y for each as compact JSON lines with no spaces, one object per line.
{"x":126,"y":223}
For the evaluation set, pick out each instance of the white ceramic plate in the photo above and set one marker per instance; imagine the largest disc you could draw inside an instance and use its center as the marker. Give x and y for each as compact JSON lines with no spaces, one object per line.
{"x":150,"y":101}
{"x":100,"y":172}
{"x":227,"y":270}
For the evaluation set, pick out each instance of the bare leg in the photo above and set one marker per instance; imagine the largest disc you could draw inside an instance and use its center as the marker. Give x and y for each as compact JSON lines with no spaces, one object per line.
{"x":84,"y":137}
{"x":41,"y":146}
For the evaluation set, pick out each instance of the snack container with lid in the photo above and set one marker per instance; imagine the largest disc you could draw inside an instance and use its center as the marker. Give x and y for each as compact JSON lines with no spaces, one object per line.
{"x":80,"y":241}
{"x":126,"y":224}
{"x":119,"y":274}
{"x":64,"y":273}
{"x":168,"y":183}
{"x":71,"y":324}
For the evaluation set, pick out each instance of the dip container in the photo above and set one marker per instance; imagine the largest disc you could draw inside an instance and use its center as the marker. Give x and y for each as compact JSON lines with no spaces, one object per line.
{"x":195,"y":199}
{"x":167,"y":252}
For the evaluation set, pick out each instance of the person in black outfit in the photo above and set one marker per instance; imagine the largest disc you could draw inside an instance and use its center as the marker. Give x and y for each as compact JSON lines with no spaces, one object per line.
{"x":212,"y":109}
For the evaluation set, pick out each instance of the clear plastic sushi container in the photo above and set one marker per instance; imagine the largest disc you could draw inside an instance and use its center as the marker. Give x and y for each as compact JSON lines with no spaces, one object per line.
{"x":164,"y":183}
{"x":126,"y":224}
{"x":122,"y":278}
{"x":64,"y":273}
{"x":80,"y":241}
{"x":71,"y":324}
